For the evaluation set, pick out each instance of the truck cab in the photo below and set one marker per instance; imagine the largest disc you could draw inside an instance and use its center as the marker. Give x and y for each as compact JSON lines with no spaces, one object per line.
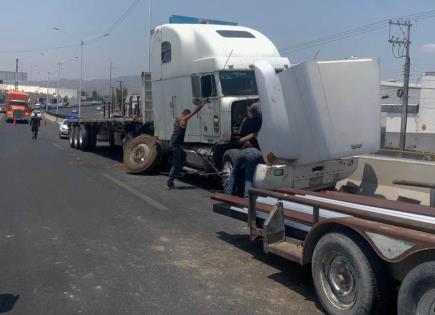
{"x":212,"y":61}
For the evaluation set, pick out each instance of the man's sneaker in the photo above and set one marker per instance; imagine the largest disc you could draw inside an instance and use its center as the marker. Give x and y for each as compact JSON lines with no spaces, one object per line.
{"x":169,"y":186}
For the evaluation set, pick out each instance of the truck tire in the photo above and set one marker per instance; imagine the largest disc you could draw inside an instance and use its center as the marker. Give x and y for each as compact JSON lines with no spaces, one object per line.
{"x":84,"y":138}
{"x":127,"y":139}
{"x":348,"y":276}
{"x":71,"y":136}
{"x":228,"y":160}
{"x":417,"y":291}
{"x":141,"y":154}
{"x":76,"y":137}
{"x":111,"y":139}
{"x":92,"y":138}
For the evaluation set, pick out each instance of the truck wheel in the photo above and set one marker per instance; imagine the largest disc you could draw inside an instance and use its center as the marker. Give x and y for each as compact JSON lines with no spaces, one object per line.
{"x":141,"y":154}
{"x":127,"y":139}
{"x":76,"y":137}
{"x":84,"y":138}
{"x":71,"y":136}
{"x":228,"y":161}
{"x":92,"y":138}
{"x":111,"y":139}
{"x":417,"y":292}
{"x":347,"y":275}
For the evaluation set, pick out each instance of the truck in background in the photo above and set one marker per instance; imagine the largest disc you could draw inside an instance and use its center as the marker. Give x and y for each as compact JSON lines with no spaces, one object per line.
{"x":200,"y":60}
{"x":17,"y":106}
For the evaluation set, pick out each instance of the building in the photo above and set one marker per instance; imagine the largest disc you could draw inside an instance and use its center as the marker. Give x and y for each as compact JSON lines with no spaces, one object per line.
{"x":420,"y":134}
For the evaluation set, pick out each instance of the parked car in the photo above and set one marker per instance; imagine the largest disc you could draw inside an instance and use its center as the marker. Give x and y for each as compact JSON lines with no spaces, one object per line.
{"x":37,"y":106}
{"x":64,"y":129}
{"x":99,"y":108}
{"x":75,"y":111}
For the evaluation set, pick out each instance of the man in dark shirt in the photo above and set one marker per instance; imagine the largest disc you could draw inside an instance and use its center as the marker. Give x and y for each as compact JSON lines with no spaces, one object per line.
{"x":251,"y":125}
{"x":177,"y":140}
{"x":35,"y":123}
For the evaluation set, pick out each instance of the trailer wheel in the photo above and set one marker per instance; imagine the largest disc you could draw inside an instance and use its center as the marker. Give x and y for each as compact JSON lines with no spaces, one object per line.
{"x":348,"y":276}
{"x":417,"y":292}
{"x":84,"y":138}
{"x":92,"y":138}
{"x":141,"y":154}
{"x":228,"y":161}
{"x":71,"y":136}
{"x":76,"y":137}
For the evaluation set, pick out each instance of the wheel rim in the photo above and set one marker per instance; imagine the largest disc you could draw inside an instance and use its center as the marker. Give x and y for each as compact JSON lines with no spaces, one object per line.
{"x":339,"y":281}
{"x":226,"y":171}
{"x":140,"y":153}
{"x":426,"y":305}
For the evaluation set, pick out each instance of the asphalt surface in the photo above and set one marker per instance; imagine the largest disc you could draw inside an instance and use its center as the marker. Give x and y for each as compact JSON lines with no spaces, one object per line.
{"x":79,"y":235}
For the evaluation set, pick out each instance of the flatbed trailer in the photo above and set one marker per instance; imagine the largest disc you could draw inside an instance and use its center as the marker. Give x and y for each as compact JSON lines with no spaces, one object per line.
{"x":361,"y":249}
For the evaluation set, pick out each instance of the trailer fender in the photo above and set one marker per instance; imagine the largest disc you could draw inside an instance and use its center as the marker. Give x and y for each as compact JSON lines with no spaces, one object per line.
{"x":401,"y":248}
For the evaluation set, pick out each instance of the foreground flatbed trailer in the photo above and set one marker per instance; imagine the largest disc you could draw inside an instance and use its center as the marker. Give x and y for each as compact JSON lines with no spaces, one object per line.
{"x":360,"y":249}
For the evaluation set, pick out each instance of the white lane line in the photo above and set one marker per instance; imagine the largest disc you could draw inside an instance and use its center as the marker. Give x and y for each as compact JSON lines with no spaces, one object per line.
{"x":57,"y":146}
{"x":138,"y":194}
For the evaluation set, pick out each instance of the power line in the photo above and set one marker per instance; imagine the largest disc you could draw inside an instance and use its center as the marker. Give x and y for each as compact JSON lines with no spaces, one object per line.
{"x":87,"y":41}
{"x":355,"y":32}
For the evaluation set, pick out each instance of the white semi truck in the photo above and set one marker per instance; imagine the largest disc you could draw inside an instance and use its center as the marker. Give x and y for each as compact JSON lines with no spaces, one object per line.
{"x":214,"y":62}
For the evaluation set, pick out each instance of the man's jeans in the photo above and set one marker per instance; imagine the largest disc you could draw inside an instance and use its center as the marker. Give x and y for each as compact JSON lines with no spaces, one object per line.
{"x":178,"y":158}
{"x":249,"y":159}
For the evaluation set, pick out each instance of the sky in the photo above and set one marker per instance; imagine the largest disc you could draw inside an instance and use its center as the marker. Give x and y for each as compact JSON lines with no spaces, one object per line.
{"x":287,"y":23}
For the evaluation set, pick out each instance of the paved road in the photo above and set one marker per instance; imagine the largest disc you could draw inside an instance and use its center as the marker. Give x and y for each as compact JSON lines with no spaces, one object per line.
{"x":78,"y":235}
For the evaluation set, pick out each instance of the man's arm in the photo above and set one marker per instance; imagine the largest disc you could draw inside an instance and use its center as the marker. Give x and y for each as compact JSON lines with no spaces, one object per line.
{"x":248,"y":137}
{"x":197,"y":109}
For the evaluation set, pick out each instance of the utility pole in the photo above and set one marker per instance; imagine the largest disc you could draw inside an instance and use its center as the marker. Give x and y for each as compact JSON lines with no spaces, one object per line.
{"x":16,"y":74}
{"x":150,"y":10}
{"x":110,"y":88}
{"x":48,"y":88}
{"x":57,"y":95}
{"x":121,"y":97}
{"x":402,"y":45}
{"x":81,"y":76}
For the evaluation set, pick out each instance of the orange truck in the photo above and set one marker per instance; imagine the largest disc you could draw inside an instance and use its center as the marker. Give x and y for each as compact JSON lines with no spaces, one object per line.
{"x":17,"y":106}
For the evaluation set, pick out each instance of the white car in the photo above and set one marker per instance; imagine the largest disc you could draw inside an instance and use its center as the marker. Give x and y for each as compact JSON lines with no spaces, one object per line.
{"x":36,"y":113}
{"x":64,"y":129}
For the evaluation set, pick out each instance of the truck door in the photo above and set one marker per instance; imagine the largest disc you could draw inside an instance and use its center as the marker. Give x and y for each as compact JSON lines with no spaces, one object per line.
{"x":205,"y":86}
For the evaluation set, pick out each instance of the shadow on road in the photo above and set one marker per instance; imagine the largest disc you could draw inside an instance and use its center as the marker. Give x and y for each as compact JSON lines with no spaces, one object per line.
{"x":7,"y":302}
{"x":291,"y":275}
{"x":106,"y":151}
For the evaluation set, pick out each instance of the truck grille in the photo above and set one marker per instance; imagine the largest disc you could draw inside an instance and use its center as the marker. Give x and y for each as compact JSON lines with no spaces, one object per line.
{"x":18,"y":114}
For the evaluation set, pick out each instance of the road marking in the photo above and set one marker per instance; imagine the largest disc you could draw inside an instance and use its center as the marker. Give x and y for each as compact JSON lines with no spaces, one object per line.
{"x":57,"y":146}
{"x":137,"y":193}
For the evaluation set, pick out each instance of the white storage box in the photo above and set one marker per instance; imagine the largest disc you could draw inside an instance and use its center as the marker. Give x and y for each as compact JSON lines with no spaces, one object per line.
{"x":319,"y":110}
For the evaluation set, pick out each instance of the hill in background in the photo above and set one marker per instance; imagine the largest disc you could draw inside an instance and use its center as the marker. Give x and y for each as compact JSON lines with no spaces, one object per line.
{"x":132,"y":82}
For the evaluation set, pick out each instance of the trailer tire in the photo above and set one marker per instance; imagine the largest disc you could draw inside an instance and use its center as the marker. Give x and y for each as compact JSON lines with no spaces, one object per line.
{"x":84,"y":138}
{"x":76,"y":137}
{"x":417,"y":291}
{"x":347,"y":275}
{"x":92,"y":138}
{"x":228,"y":161}
{"x":141,"y":154}
{"x":71,"y":136}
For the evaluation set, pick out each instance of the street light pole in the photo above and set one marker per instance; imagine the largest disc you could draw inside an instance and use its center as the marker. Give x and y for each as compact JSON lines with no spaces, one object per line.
{"x":81,"y":76}
{"x":57,"y":95}
{"x":48,"y":87}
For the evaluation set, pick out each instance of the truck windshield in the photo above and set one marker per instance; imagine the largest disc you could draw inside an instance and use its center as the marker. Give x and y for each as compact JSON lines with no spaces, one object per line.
{"x":235,"y":83}
{"x":18,"y":103}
